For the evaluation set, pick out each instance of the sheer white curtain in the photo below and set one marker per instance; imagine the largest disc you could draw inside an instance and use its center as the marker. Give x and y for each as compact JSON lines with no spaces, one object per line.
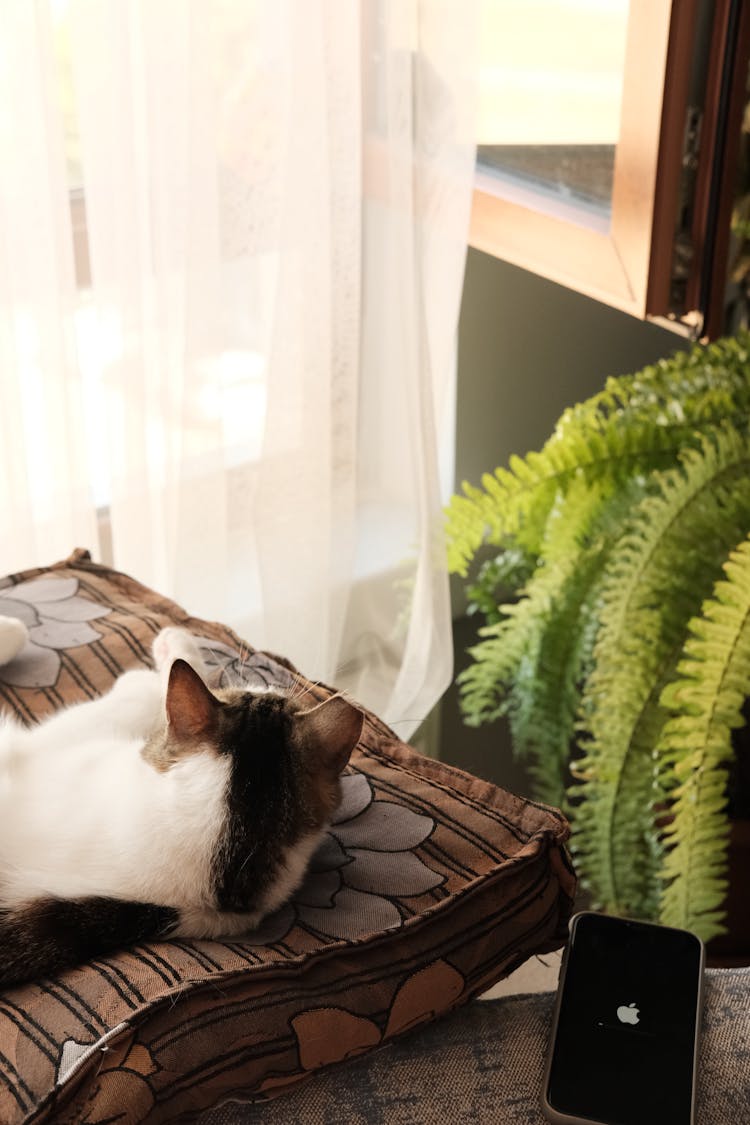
{"x":277,"y":200}
{"x":45,"y":501}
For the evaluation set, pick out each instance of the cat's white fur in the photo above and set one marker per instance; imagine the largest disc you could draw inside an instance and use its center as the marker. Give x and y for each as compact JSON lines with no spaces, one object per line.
{"x":13,"y":636}
{"x":83,"y":813}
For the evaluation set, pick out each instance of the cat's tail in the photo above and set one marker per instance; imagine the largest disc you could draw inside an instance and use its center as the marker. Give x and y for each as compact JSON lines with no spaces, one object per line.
{"x":13,"y":636}
{"x":50,"y":934}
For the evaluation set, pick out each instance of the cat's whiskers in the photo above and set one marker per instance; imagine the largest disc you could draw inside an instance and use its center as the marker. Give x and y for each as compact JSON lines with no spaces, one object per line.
{"x":299,"y":687}
{"x":243,"y":658}
{"x":246,"y":860}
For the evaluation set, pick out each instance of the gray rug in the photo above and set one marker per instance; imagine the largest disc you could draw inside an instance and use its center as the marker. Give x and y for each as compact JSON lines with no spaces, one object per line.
{"x":484,"y":1064}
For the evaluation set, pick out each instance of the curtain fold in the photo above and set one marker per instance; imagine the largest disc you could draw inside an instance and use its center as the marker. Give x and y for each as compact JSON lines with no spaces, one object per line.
{"x":277,"y":203}
{"x":147,"y":116}
{"x":45,"y":493}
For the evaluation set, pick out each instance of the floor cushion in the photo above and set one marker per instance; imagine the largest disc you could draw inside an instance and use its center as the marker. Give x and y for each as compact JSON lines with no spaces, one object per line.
{"x":430,"y":886}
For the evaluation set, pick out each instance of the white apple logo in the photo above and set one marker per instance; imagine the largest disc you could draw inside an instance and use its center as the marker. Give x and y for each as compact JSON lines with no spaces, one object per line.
{"x":627,"y":1014}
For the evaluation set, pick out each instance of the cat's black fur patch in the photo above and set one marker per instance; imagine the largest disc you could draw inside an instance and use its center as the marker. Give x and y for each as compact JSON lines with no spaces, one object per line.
{"x":52,"y":934}
{"x":267,"y":803}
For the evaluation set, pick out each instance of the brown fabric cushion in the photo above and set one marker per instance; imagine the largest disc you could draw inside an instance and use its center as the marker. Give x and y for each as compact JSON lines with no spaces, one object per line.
{"x":431,"y":886}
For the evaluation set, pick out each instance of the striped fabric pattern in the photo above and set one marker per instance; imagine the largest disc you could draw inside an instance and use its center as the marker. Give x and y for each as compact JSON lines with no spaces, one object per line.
{"x":431,"y":886}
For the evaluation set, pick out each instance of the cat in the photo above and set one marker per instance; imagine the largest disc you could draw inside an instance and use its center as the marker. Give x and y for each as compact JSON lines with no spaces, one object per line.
{"x":162,"y":809}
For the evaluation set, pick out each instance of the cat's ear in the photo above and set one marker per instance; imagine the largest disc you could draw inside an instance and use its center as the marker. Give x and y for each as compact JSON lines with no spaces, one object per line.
{"x":192,"y":710}
{"x":334,"y":728}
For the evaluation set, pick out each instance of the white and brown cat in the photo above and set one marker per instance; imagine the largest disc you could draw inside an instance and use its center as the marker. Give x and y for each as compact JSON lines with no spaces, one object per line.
{"x":161,"y":809}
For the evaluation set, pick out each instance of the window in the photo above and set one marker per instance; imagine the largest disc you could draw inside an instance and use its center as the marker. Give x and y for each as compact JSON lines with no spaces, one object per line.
{"x":608,"y":148}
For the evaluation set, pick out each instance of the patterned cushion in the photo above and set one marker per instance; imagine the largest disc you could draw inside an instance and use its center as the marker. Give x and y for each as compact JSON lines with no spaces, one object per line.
{"x":431,"y":885}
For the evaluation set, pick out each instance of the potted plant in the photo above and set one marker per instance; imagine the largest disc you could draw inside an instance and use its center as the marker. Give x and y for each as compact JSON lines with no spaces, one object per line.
{"x":612,"y":568}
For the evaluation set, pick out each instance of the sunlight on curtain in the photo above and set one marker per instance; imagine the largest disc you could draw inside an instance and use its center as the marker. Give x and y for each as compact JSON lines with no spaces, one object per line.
{"x":45,"y":491}
{"x":277,"y":202}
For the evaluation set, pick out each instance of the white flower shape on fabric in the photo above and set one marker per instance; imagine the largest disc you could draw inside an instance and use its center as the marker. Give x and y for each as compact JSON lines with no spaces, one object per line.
{"x":365,"y":862}
{"x":57,"y":618}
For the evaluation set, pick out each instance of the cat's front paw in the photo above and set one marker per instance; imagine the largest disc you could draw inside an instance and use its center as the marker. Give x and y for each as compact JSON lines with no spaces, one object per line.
{"x":13,"y":636}
{"x":173,"y":644}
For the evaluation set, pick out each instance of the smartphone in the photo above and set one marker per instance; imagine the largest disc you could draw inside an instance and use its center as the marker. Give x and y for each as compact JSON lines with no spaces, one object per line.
{"x":624,"y":1042}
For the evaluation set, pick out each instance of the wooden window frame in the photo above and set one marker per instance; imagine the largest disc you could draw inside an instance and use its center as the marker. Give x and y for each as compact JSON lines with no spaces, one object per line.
{"x":629,"y":265}
{"x":725,"y":100}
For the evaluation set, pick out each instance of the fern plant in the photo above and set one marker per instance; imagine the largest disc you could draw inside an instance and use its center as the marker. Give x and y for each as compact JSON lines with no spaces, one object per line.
{"x":617,"y":634}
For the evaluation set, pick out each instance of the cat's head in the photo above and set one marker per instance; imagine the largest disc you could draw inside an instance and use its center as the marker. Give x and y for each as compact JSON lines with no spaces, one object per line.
{"x":285,"y":757}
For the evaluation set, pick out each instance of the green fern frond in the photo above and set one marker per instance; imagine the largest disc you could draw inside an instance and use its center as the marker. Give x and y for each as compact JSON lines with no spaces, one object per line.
{"x":546,"y":690}
{"x":504,"y":644}
{"x":636,"y":424}
{"x":701,"y":387}
{"x":662,"y":567}
{"x":545,"y":693}
{"x":695,"y":749}
{"x":614,"y":534}
{"x":530,"y":663}
{"x":496,"y":579}
{"x":517,"y":501}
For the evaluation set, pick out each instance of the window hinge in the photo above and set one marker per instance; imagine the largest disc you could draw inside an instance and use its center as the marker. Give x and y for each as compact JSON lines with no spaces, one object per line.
{"x":692,"y":138}
{"x":683,"y":246}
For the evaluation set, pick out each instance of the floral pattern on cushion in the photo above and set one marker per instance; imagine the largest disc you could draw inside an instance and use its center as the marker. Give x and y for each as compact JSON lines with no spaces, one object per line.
{"x":328,"y":1035}
{"x":57,"y":618}
{"x":364,"y":865}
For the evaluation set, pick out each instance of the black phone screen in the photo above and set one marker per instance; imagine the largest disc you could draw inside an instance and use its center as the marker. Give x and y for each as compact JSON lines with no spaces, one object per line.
{"x":625,"y":1041}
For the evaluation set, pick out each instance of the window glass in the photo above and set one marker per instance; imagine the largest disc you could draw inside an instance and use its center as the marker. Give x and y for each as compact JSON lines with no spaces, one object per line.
{"x":550,"y":102}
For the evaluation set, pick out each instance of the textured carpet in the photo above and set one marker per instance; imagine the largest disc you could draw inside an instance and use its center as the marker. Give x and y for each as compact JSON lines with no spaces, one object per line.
{"x":484,"y":1064}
